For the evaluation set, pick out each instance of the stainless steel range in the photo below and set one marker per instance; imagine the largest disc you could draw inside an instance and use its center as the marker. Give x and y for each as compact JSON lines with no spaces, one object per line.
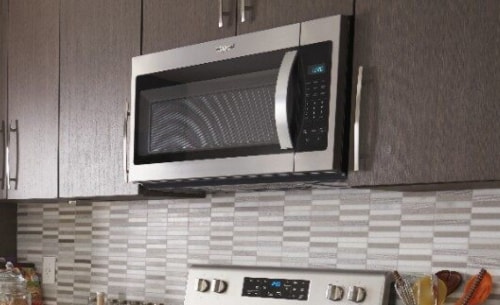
{"x":223,"y":285}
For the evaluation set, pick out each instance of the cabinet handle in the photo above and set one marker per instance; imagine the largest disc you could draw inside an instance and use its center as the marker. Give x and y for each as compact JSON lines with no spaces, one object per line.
{"x":356,"y":119}
{"x":125,"y":148}
{"x":221,"y":22}
{"x":2,"y":130}
{"x":7,"y":160}
{"x":242,"y":11}
{"x":243,"y":8}
{"x":222,"y":13}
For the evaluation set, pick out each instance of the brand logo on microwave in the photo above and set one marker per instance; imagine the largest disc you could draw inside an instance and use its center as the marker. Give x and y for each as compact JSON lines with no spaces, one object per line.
{"x":225,"y":48}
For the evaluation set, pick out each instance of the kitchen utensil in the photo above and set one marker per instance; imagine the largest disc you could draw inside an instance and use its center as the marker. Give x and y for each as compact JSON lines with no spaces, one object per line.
{"x":403,"y":289}
{"x":429,"y":290}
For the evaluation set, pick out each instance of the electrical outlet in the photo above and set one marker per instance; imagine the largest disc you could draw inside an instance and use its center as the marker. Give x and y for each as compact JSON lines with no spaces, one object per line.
{"x":49,"y":270}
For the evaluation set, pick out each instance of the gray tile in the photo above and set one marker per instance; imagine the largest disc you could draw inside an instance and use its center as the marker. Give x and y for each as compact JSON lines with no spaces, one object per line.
{"x":143,"y":248}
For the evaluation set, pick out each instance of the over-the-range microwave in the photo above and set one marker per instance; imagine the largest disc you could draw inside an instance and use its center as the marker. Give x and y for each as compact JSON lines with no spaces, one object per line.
{"x":261,"y":107}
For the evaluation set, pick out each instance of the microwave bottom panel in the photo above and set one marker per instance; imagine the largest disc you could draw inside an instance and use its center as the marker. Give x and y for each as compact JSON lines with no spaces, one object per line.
{"x":316,"y":180}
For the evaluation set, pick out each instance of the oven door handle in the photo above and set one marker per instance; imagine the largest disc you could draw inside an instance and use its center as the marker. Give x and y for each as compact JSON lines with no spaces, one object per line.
{"x":280,"y":99}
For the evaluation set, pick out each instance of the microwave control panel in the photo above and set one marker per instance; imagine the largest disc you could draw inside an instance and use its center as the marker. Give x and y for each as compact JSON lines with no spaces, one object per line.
{"x":314,"y":70}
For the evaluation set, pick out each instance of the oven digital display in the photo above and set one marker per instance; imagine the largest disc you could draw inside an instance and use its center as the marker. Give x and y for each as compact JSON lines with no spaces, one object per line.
{"x":275,"y":288}
{"x":316,"y":69}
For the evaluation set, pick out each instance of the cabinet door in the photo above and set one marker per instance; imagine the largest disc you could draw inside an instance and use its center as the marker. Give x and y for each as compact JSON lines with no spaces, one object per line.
{"x":3,"y":89}
{"x":33,"y":80}
{"x":98,"y":40}
{"x":265,"y":14}
{"x":430,"y":104}
{"x":169,"y":24}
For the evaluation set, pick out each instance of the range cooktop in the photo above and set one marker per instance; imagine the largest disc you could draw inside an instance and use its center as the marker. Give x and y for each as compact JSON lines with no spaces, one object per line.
{"x":230,"y":285}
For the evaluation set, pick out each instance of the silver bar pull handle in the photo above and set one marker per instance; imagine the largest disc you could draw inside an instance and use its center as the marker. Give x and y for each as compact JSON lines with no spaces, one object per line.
{"x":242,"y":11}
{"x":125,"y":146}
{"x":221,"y":22}
{"x":222,"y":14}
{"x":2,"y":179}
{"x":356,"y":118}
{"x":280,"y":99}
{"x":7,"y":157}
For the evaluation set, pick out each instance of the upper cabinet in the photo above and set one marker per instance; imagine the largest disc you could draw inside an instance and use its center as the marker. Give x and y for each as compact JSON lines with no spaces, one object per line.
{"x":429,"y":103}
{"x":3,"y":88}
{"x":98,"y":40}
{"x":257,"y":15}
{"x":30,"y":126}
{"x":169,"y":24}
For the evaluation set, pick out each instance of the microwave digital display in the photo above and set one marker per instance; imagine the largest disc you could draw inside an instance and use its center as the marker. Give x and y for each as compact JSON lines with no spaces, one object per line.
{"x":316,"y":69}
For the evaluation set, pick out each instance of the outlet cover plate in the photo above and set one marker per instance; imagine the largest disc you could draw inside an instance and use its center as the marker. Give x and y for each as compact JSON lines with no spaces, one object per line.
{"x":49,"y":270}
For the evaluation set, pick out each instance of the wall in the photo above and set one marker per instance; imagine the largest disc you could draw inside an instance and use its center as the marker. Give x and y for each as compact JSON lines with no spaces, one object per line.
{"x":8,"y":229}
{"x":143,"y":248}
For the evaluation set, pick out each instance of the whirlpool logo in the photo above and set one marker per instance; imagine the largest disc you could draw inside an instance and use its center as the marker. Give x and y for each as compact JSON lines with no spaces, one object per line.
{"x":225,"y":48}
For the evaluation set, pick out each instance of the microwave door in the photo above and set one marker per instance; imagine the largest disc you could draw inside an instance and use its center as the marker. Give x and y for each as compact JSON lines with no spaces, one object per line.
{"x":200,"y":113}
{"x":281,"y":111}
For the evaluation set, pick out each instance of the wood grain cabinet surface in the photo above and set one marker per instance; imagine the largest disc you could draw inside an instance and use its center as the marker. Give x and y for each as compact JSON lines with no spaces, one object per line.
{"x":3,"y":86}
{"x":33,"y":94}
{"x":169,"y":24}
{"x":98,"y":40}
{"x":430,"y":102}
{"x":265,"y":14}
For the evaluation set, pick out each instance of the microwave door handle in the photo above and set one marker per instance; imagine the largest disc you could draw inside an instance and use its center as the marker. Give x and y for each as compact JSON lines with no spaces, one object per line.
{"x":280,"y":99}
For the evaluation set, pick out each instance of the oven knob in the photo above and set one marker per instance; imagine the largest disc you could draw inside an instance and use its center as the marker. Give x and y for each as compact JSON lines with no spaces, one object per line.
{"x":334,"y":293}
{"x":356,"y":294}
{"x":202,"y":285}
{"x":219,"y":286}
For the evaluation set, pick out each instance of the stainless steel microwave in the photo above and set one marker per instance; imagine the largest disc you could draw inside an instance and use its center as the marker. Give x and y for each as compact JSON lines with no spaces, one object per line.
{"x":272,"y":104}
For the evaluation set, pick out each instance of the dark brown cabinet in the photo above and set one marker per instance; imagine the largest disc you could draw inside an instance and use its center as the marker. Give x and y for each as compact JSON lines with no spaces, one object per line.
{"x":8,"y":226}
{"x":98,"y":40}
{"x":33,"y":88}
{"x":430,"y":99}
{"x":257,"y":15}
{"x":169,"y":24}
{"x":3,"y":84}
{"x":429,"y":107}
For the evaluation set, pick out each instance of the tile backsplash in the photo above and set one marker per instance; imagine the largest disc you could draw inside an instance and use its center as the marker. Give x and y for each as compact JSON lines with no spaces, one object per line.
{"x":143,"y":248}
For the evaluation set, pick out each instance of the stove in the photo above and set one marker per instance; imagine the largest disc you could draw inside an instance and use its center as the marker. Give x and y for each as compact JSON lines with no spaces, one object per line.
{"x":231,"y":285}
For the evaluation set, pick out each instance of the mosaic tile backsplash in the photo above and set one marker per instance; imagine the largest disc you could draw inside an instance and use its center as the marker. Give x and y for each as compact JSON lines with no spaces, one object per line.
{"x":143,"y":248}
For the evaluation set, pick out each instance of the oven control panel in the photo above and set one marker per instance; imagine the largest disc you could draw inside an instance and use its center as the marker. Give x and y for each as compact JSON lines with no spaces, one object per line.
{"x":230,"y":285}
{"x":275,"y":288}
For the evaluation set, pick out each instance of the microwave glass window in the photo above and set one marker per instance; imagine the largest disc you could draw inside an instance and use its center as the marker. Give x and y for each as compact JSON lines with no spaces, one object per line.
{"x":231,"y":117}
{"x":226,"y":116}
